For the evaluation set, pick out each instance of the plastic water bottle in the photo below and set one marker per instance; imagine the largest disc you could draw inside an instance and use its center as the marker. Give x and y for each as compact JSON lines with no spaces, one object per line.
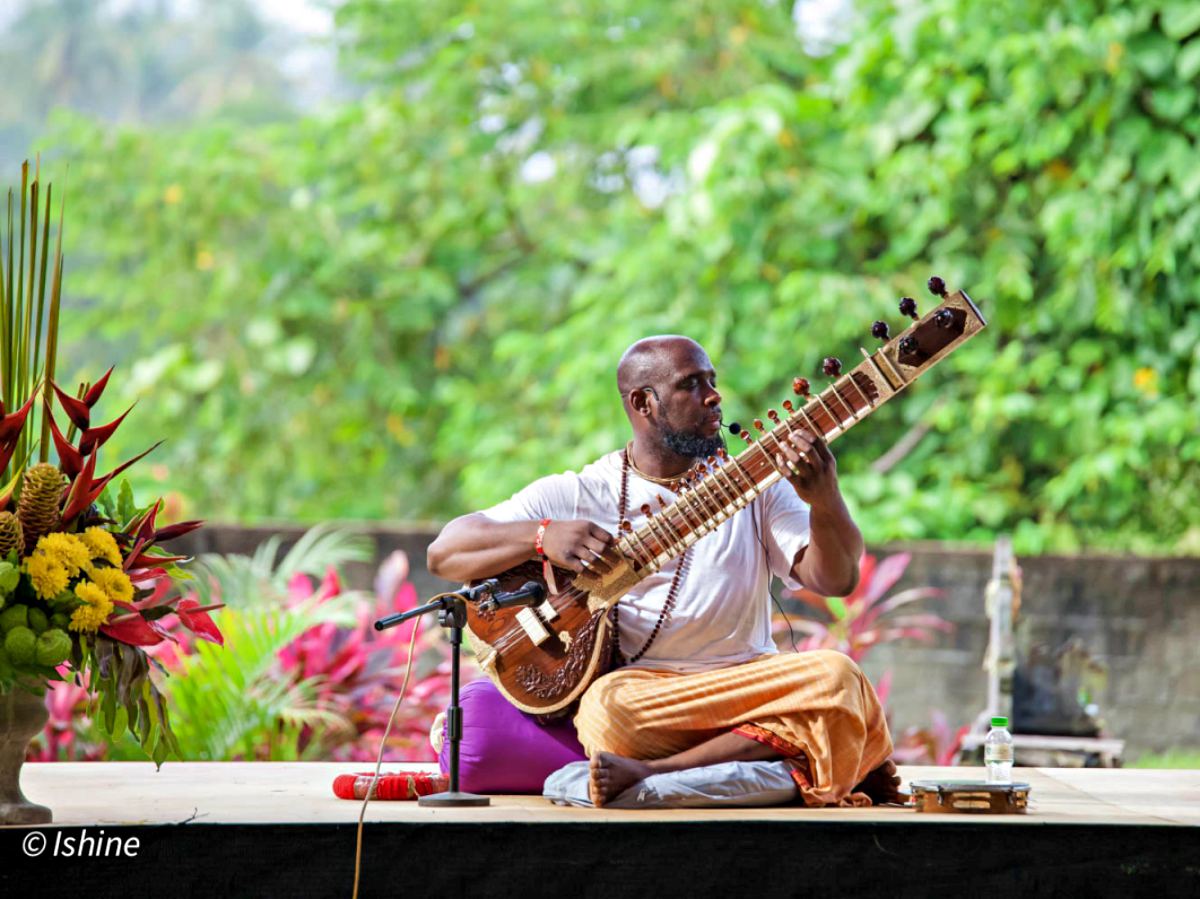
{"x":998,"y":752}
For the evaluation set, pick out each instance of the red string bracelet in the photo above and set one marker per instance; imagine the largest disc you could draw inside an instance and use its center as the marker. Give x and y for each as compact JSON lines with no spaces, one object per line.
{"x":539,"y":548}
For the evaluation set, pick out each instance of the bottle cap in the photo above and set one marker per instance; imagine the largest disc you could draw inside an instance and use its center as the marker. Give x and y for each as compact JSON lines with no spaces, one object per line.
{"x":999,"y":721}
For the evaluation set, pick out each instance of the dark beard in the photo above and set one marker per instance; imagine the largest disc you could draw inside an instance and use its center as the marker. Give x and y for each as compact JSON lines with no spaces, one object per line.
{"x":692,"y":445}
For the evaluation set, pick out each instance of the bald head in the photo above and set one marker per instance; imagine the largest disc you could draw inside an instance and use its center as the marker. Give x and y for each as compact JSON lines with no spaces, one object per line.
{"x":651,"y":361}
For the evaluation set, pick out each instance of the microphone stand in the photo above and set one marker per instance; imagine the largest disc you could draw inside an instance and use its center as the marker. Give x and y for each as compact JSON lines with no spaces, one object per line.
{"x":452,"y":614}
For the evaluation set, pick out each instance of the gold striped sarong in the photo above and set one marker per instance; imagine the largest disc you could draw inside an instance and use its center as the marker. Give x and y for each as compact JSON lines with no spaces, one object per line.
{"x":816,"y":708}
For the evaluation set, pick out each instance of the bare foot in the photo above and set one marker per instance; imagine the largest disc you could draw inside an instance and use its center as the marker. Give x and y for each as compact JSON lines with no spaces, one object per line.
{"x":883,"y":785}
{"x":612,"y":775}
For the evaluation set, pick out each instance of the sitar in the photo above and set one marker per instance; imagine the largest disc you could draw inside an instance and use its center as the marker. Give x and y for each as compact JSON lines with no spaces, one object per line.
{"x":543,"y":657}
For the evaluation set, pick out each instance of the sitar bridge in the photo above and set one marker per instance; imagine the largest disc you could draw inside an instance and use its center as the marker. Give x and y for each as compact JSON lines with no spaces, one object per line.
{"x":605,"y":589}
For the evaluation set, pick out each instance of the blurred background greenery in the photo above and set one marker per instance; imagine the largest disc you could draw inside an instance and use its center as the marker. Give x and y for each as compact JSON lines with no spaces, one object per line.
{"x":379,"y":261}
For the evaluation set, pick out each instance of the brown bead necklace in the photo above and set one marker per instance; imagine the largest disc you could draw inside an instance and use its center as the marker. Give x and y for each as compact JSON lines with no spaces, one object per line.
{"x":669,"y":604}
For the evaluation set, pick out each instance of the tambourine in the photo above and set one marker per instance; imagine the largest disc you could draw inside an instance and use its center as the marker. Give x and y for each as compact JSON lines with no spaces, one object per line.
{"x":969,"y":797}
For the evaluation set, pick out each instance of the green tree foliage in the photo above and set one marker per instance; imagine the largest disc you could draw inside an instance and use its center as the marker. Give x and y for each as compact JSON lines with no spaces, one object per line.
{"x":413,"y":305}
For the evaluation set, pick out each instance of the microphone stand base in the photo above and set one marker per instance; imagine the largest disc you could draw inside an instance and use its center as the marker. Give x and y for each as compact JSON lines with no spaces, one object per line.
{"x":451,"y":799}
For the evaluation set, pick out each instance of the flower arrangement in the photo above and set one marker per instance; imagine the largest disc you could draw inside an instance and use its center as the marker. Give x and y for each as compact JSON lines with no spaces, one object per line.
{"x":358,"y":671}
{"x":80,"y":582}
{"x":317,"y":680}
{"x":81,"y":569}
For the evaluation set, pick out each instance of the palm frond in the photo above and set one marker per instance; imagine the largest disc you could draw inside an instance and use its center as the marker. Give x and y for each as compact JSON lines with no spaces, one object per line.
{"x":240,"y":580}
{"x":263,"y":560}
{"x":232,"y":579}
{"x":224,"y":695}
{"x":320,"y":547}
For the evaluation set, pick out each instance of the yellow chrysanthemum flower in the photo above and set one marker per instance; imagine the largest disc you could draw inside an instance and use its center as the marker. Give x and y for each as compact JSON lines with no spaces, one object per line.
{"x":67,"y":549}
{"x":101,"y":545}
{"x":95,"y":610}
{"x":114,"y":582}
{"x":48,"y":576}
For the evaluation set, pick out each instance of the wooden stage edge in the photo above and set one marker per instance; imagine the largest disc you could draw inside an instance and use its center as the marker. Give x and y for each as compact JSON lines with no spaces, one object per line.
{"x":276,"y":829}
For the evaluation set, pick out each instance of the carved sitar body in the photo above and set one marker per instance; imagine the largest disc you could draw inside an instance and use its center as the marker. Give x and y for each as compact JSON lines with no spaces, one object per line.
{"x":543,"y":658}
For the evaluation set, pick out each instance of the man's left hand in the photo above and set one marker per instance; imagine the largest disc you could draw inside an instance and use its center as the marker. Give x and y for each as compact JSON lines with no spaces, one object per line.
{"x":811,"y":467}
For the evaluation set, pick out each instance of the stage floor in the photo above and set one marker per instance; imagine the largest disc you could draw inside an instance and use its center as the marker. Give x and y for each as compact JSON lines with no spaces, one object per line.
{"x":267,"y":830}
{"x":133,"y":793}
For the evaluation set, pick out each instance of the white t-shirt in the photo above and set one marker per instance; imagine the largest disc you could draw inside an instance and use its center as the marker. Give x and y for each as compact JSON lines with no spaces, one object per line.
{"x":722,"y":611}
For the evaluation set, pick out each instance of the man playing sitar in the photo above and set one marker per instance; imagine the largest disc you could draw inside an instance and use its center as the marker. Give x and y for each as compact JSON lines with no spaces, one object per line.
{"x":702,"y":681}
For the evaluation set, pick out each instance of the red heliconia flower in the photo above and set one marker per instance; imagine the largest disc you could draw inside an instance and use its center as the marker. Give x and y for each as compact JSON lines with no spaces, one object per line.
{"x":94,"y":438}
{"x":171,"y":531}
{"x":96,"y":389}
{"x":196,"y":619}
{"x":10,"y":430}
{"x":77,"y":410}
{"x":87,"y":488}
{"x":134,"y":629}
{"x":70,"y":460}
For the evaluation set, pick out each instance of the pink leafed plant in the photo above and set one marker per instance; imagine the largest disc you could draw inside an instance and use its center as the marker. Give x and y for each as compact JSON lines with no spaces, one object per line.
{"x":937,"y":744}
{"x":359,"y":671}
{"x":346,"y":675}
{"x":867,"y":617}
{"x":67,"y":735}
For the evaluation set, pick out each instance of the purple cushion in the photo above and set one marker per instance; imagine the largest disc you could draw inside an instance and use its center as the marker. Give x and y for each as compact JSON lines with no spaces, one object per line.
{"x":503,"y":750}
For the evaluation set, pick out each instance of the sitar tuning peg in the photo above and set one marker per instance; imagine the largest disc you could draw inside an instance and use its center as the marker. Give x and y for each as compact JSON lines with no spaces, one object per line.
{"x":936,"y":286}
{"x":788,"y":407}
{"x":745,"y":435}
{"x":646,"y":510}
{"x":880,"y":331}
{"x":800,"y":386}
{"x":773,"y":415}
{"x":908,"y":306}
{"x":832,"y":367}
{"x":944,"y":318}
{"x":909,"y":344}
{"x":758,"y":424}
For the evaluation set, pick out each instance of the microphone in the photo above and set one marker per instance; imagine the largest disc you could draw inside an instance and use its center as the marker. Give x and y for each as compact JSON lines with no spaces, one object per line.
{"x":444,"y":602}
{"x":481,"y":590}
{"x":734,"y":428}
{"x":529,"y":594}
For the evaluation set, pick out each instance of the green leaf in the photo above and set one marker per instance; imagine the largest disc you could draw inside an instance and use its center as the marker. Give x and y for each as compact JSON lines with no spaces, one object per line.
{"x":161,"y":751}
{"x":1179,"y":20}
{"x":10,"y":576}
{"x":1187,"y":63}
{"x":105,"y":501}
{"x":120,"y":722}
{"x":126,"y":509}
{"x":108,"y":706}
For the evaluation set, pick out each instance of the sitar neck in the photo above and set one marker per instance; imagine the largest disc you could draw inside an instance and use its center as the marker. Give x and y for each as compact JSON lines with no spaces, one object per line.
{"x":721,"y":486}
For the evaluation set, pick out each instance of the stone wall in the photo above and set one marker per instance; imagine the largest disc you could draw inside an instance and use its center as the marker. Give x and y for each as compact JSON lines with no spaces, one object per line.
{"x":1139,"y":616}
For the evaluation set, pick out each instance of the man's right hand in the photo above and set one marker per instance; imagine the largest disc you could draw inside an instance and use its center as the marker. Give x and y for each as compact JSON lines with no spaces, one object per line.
{"x":577,"y":545}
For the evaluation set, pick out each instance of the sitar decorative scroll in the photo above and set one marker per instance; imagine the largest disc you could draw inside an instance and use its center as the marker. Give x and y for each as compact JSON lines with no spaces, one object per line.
{"x":544,"y":659}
